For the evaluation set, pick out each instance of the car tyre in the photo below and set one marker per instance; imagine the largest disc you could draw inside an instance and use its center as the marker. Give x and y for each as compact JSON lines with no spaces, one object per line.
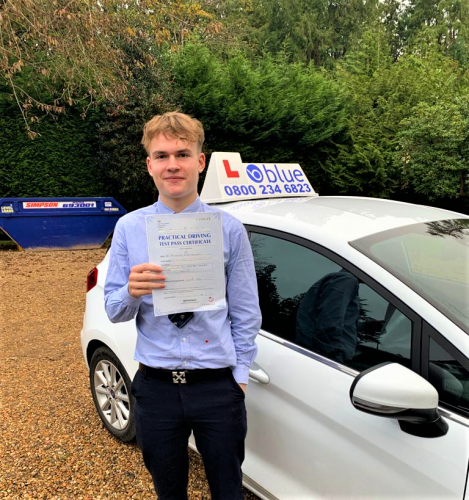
{"x":110,"y":387}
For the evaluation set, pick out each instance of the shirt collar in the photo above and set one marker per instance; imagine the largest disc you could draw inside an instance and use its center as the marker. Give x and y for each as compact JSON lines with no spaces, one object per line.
{"x":195,"y":206}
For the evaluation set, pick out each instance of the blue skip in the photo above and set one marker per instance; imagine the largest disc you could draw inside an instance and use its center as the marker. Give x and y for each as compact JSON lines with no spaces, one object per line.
{"x":59,"y":223}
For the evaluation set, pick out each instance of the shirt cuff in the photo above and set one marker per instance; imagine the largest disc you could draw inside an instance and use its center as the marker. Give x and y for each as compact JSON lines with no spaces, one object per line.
{"x":126,"y":299}
{"x":241,"y":374}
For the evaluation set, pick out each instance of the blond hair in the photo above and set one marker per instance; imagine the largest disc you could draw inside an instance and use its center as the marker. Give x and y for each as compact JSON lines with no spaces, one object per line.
{"x":175,"y":126}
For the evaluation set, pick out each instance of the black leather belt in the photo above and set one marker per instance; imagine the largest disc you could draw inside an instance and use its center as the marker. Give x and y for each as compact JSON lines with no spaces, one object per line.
{"x":184,"y":376}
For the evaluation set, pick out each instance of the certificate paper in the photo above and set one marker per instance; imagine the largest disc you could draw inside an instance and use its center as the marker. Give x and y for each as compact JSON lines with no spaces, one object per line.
{"x":189,"y":248}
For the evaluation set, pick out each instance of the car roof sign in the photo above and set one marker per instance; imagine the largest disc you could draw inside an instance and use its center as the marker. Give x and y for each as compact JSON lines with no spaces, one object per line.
{"x":228,"y":179}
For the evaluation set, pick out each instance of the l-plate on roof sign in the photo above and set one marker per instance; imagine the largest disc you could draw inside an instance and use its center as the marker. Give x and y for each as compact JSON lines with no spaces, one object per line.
{"x":228,"y":179}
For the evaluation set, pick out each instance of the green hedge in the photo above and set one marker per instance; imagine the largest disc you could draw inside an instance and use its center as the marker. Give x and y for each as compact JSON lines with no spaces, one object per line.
{"x":60,"y":161}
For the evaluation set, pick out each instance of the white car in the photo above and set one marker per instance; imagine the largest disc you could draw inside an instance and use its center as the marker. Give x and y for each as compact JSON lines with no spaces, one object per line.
{"x":360,"y":389}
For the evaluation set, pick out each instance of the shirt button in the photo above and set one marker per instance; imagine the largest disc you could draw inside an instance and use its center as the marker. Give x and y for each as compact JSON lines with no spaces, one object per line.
{"x":184,"y":361}
{"x":184,"y":339}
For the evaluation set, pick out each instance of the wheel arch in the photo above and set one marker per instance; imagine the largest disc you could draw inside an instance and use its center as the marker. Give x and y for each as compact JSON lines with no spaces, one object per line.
{"x":93,"y":346}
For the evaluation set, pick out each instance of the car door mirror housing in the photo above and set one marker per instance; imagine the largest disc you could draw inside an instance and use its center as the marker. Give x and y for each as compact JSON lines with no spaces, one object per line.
{"x":393,"y":391}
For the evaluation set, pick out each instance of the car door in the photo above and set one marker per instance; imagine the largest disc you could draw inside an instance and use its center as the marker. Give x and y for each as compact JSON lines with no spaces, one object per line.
{"x":305,"y":440}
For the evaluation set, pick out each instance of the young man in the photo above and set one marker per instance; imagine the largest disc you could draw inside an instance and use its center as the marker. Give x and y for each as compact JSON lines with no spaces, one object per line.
{"x":214,"y":349}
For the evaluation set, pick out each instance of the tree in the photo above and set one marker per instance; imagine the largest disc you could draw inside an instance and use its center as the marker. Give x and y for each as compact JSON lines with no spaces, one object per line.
{"x":311,"y":30}
{"x":433,"y":152}
{"x":58,"y":53}
{"x":380,"y":94}
{"x":441,"y":22}
{"x":266,"y":109}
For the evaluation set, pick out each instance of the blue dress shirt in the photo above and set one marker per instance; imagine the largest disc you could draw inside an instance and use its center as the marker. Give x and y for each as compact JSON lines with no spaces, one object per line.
{"x":212,"y":339}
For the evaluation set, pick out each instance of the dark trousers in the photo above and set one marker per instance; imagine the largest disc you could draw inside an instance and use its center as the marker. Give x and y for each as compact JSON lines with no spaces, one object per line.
{"x":165,"y":415}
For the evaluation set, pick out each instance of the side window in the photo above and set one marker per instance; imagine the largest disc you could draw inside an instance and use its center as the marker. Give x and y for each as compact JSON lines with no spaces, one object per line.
{"x":449,"y":378}
{"x":285,"y":272}
{"x":309,"y":300}
{"x":384,"y":333}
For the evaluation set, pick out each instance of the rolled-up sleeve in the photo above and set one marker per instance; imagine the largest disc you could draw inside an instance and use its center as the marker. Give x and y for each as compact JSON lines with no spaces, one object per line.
{"x":243,"y":302}
{"x":120,"y":305}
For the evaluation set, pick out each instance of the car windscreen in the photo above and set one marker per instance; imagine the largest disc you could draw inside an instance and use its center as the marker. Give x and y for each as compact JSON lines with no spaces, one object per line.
{"x":432,"y":258}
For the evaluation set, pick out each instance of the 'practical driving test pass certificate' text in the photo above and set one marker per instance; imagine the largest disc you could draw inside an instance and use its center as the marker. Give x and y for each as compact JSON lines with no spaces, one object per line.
{"x":189,"y":248}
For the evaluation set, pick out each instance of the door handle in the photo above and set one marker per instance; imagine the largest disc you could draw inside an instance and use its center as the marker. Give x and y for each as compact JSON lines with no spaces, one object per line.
{"x":259,"y":375}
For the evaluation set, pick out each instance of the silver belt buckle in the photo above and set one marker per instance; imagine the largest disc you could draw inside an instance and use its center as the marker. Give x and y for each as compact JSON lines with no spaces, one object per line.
{"x":179,"y":377}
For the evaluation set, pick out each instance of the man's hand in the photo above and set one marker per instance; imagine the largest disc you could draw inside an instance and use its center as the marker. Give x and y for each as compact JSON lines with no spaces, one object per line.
{"x":144,"y":278}
{"x":243,"y":386}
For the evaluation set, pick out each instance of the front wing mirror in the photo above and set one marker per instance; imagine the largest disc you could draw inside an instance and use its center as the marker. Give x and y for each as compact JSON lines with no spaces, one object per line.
{"x":393,"y":391}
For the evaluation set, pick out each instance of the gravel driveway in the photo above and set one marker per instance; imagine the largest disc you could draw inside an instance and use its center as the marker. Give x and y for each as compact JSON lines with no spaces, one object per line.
{"x":53,"y":445}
